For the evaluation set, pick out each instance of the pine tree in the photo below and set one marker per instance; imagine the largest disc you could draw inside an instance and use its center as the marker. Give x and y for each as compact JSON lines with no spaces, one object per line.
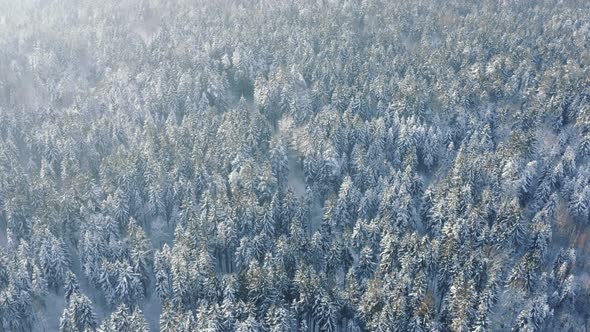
{"x":38,"y":282}
{"x":167,"y":318}
{"x":138,"y":322}
{"x":71,"y":286}
{"x":78,"y":315}
{"x":366,"y":264}
{"x":163,"y":272}
{"x":250,"y":324}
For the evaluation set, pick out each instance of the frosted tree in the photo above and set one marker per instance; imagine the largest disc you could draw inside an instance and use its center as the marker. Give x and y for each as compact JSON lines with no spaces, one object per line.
{"x":78,"y":315}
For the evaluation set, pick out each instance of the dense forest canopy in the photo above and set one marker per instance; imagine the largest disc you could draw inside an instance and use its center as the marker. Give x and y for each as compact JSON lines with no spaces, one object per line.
{"x":294,"y":165}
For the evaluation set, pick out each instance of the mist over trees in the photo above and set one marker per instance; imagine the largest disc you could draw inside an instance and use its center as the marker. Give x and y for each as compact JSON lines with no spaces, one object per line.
{"x":294,"y":165}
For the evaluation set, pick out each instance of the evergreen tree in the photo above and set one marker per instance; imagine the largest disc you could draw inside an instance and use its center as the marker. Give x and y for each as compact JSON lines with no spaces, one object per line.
{"x":78,"y":315}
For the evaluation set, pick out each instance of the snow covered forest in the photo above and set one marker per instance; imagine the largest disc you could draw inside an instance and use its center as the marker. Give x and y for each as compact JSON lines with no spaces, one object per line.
{"x":294,"y":165}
